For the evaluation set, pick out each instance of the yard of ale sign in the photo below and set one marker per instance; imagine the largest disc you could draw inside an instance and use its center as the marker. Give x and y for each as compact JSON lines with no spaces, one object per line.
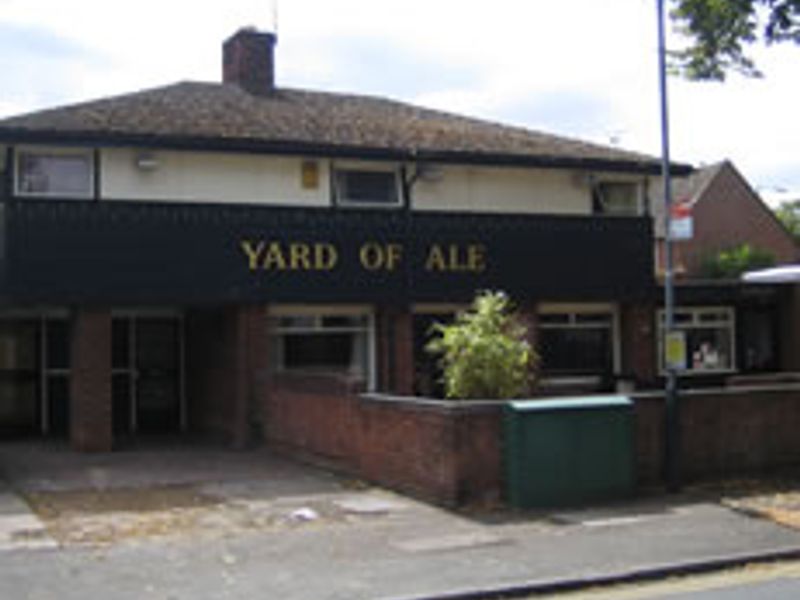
{"x":272,"y":255}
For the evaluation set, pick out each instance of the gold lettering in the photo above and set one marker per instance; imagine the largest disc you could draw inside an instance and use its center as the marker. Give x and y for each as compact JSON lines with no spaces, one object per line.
{"x":274,"y":258}
{"x":253,"y":252}
{"x":435,"y":260}
{"x":325,"y":257}
{"x":299,"y":256}
{"x":394,"y":253}
{"x":476,"y":258}
{"x":371,"y":256}
{"x":455,"y":263}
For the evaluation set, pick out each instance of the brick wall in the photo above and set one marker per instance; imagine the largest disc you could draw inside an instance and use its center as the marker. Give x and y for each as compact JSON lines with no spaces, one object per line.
{"x":435,"y":450}
{"x":226,"y":362}
{"x":90,"y":381}
{"x":722,"y":432}
{"x":638,"y":342}
{"x":451,"y":453}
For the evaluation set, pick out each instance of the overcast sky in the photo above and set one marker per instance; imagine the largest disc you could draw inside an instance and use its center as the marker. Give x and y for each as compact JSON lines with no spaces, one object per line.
{"x":581,"y":68}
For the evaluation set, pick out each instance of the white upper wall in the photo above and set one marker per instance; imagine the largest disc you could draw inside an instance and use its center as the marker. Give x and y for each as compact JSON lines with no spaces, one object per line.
{"x":221,"y":177}
{"x":210,"y":177}
{"x":507,"y":190}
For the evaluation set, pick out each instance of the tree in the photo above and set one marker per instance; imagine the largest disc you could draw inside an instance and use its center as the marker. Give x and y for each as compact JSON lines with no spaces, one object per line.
{"x":731,"y":263}
{"x":789,"y":215}
{"x":719,"y":30}
{"x":484,"y":353}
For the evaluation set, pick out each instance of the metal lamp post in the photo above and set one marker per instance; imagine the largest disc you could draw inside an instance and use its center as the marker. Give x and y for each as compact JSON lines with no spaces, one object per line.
{"x":671,"y":420}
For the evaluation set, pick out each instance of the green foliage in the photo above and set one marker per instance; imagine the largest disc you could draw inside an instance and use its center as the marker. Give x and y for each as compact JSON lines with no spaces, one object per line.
{"x":719,"y":30}
{"x":789,"y":215}
{"x":731,"y":263}
{"x":484,"y":353}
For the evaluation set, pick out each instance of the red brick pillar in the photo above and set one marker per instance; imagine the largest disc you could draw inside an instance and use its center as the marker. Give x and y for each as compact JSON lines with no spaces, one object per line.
{"x":248,"y":355}
{"x":404,"y":352}
{"x":90,"y":381}
{"x":639,"y":342}
{"x":395,"y":347}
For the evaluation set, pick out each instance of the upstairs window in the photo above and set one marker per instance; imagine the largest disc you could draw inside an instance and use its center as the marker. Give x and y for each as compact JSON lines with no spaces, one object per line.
{"x":366,"y":187}
{"x":620,"y":198}
{"x":67,"y":174}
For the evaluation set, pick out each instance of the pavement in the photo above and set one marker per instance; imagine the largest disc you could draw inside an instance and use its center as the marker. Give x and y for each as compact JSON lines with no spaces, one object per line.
{"x":209,"y":523}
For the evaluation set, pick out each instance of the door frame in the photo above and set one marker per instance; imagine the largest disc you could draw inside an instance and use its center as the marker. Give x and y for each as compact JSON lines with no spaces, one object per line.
{"x":132,"y":314}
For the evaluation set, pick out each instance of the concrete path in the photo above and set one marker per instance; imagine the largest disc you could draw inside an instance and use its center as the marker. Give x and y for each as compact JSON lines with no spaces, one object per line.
{"x":20,"y":528}
{"x":296,"y":532}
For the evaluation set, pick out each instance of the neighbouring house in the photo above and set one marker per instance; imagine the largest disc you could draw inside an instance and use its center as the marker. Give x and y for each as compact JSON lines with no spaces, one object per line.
{"x":731,"y":328}
{"x":727,"y":212}
{"x":240,"y":259}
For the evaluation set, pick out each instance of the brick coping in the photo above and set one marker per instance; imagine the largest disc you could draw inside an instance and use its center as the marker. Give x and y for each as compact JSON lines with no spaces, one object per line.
{"x":433,"y":404}
{"x":721,"y":391}
{"x":487,"y":406}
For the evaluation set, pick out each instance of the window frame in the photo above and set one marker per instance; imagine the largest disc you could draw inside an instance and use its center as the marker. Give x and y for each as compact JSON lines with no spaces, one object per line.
{"x":696,"y":322}
{"x":317,"y":314}
{"x":341,"y":200}
{"x":575,"y":319}
{"x":599,"y":207}
{"x":48,"y":151}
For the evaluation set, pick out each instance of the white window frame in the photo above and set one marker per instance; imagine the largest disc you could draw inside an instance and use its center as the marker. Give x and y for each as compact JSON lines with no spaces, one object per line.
{"x":339,"y":198}
{"x":86,"y":153}
{"x":728,"y":323}
{"x":572,"y":311}
{"x":276,"y":312}
{"x":639,"y":196}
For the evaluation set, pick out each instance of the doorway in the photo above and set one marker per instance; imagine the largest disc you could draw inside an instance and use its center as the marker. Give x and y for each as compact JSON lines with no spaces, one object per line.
{"x":34,"y":374}
{"x":147,"y":373}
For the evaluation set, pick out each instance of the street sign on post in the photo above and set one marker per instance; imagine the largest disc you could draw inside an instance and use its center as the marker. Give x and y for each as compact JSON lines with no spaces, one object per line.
{"x":681,"y":225}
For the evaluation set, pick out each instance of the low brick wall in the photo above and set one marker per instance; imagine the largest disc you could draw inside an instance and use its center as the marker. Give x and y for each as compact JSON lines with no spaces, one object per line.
{"x":451,"y":453}
{"x":446,"y":452}
{"x":722,"y":431}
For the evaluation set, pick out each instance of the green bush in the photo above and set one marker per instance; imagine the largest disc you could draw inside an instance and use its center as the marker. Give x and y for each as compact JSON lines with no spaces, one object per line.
{"x":485,"y":353}
{"x":731,"y":263}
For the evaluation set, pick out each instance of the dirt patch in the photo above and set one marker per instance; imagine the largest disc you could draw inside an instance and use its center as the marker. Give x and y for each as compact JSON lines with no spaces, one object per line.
{"x":51,"y":504}
{"x":773,"y":498}
{"x":99,"y":517}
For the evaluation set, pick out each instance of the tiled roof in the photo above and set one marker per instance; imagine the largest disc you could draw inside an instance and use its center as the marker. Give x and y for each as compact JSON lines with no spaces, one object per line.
{"x":219,"y":116}
{"x":691,"y":188}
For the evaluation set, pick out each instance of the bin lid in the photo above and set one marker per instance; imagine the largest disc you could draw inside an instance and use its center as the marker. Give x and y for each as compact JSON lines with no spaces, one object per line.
{"x":570,"y":403}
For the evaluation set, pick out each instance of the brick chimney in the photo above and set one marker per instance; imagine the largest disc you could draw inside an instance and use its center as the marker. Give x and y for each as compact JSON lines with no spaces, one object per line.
{"x":248,"y":60}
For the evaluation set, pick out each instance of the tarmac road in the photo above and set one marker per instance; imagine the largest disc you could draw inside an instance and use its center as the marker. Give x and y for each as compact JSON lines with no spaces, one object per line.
{"x":778,"y":581}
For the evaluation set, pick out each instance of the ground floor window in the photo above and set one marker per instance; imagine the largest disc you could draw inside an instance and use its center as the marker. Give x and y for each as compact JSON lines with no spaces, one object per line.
{"x":576,"y":341}
{"x":328,"y":341}
{"x":709,"y":332}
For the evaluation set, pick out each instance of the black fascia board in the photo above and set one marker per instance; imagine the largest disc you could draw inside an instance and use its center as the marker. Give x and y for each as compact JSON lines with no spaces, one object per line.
{"x":327,"y":150}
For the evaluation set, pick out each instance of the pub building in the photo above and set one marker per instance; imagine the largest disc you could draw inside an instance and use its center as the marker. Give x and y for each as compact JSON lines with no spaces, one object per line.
{"x":173,"y":256}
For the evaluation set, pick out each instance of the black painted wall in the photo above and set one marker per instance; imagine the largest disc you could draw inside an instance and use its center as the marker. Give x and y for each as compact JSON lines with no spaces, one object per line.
{"x":62,"y":251}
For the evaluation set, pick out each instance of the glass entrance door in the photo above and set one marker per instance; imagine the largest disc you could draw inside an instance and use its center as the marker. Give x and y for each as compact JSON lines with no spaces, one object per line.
{"x":147,"y":378}
{"x":19,"y":376}
{"x":34,"y":374}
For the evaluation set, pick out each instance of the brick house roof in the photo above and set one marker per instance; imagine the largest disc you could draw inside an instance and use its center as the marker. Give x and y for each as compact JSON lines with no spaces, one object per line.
{"x":223,"y":116}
